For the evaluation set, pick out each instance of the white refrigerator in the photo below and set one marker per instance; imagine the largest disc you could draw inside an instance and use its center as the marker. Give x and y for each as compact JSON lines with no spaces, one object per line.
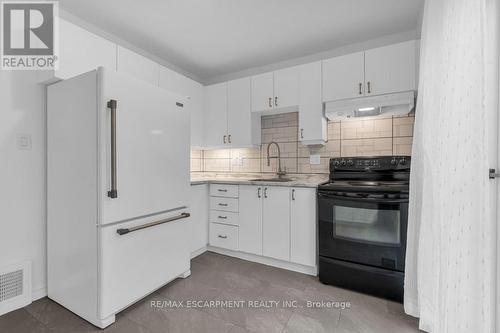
{"x":117,"y":192}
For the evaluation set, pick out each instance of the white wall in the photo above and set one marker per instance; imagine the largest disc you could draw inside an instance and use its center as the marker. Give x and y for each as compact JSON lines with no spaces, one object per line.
{"x":22,"y":174}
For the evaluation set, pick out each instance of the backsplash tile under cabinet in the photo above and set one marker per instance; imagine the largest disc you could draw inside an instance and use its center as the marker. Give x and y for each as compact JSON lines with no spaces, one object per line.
{"x":363,"y":129}
{"x":389,"y":136}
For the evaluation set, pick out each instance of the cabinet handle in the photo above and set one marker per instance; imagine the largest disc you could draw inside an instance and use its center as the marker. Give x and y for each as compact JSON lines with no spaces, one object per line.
{"x":369,"y":87}
{"x":229,"y":138}
{"x":224,"y":138}
{"x":222,"y":217}
{"x":265,"y":192}
{"x":360,"y":88}
{"x":270,"y":102}
{"x":301,"y":133}
{"x":222,"y":204}
{"x":222,"y":236}
{"x":258,"y":193}
{"x":275,"y":101}
{"x":293,"y":194}
{"x":221,"y":190}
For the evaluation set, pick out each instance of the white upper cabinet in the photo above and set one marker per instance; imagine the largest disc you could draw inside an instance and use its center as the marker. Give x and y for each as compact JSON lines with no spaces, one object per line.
{"x":80,"y":51}
{"x":177,"y":83}
{"x":286,"y":88}
{"x":229,"y":121}
{"x":216,"y":115}
{"x":243,"y":127}
{"x":377,"y":71}
{"x":263,"y":92}
{"x":344,"y":77}
{"x":391,"y":68}
{"x":312,"y":122}
{"x":138,"y":66}
{"x":275,"y":90}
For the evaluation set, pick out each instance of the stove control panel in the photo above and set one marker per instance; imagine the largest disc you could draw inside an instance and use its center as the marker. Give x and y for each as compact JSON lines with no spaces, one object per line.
{"x":370,"y":163}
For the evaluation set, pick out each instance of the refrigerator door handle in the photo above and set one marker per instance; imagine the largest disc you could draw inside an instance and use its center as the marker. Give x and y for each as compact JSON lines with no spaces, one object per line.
{"x":113,"y":193}
{"x":152,"y":224}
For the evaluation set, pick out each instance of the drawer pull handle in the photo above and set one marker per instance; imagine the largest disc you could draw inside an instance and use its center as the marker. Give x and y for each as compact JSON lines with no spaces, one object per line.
{"x":222,"y":236}
{"x":152,"y":224}
{"x":222,"y":190}
{"x":222,"y":204}
{"x":222,"y":217}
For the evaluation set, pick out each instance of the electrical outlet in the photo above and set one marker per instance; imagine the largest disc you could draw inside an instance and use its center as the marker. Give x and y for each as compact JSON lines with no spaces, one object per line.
{"x":314,"y":159}
{"x":23,"y":141}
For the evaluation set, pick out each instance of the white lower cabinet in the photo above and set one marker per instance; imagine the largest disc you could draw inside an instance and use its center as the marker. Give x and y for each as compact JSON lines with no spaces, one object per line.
{"x":251,"y":219}
{"x":303,"y":226}
{"x":276,"y":222}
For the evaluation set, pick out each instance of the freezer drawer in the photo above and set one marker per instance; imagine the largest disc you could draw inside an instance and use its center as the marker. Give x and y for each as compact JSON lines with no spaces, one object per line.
{"x":224,"y":204}
{"x":224,"y":217}
{"x":224,"y":236}
{"x":221,"y":190}
{"x":136,"y":263}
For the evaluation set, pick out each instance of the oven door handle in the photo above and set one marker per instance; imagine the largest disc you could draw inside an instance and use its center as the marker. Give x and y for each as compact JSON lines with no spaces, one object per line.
{"x":358,"y":199}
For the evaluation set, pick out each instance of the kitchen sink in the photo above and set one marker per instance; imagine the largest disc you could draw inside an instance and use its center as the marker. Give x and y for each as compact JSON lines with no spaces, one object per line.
{"x":281,"y":180}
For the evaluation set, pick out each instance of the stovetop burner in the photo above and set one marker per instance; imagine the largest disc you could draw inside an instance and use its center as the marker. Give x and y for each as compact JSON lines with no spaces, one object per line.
{"x":369,"y":174}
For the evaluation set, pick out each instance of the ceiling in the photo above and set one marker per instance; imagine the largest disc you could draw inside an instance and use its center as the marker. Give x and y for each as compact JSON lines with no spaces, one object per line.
{"x":210,"y":38}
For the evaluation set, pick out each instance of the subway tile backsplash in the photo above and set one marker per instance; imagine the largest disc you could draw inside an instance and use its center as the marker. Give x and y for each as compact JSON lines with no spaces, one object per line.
{"x":389,"y":136}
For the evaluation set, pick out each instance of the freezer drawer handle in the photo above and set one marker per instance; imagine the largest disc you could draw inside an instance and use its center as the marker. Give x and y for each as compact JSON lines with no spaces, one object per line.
{"x":113,"y":193}
{"x":152,"y":224}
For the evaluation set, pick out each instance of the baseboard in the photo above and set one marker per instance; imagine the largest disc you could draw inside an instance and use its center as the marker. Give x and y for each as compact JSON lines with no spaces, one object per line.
{"x":309,"y":270}
{"x":36,"y":294}
{"x":196,"y":253}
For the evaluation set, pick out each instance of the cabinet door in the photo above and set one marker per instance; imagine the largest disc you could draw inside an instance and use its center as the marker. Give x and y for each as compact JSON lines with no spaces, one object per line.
{"x":138,"y":66}
{"x":239,"y":115}
{"x":250,"y":233}
{"x":276,"y":222}
{"x":303,"y":226}
{"x":312,"y":123}
{"x":286,"y":87}
{"x":391,"y":68}
{"x":262,"y":92}
{"x":342,"y":77}
{"x":216,"y":115}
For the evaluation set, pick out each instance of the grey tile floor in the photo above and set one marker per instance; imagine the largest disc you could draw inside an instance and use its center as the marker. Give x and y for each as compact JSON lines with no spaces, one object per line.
{"x":216,"y":278}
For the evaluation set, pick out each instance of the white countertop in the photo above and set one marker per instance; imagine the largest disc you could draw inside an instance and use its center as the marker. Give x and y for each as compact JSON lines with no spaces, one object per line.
{"x":297,"y":180}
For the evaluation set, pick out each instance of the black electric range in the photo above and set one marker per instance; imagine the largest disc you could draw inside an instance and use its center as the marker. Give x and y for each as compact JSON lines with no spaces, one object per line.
{"x":362,"y":224}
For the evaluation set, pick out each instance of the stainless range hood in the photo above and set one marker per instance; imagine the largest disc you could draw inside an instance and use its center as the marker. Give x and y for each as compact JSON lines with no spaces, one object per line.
{"x":372,"y":106}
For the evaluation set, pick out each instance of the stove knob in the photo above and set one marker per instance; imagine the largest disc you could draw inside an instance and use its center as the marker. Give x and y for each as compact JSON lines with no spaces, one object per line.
{"x":402,"y":161}
{"x":394,"y":161}
{"x":336,"y":163}
{"x":343,"y":163}
{"x":350,"y":163}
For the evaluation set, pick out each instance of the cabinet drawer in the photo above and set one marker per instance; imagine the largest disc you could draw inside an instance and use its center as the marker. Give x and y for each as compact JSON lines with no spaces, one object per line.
{"x":225,"y":236}
{"x":224,"y":217}
{"x":221,"y":190}
{"x":224,"y":204}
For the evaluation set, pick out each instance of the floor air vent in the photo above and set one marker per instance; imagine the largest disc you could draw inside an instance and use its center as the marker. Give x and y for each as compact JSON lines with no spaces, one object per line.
{"x":15,"y":287}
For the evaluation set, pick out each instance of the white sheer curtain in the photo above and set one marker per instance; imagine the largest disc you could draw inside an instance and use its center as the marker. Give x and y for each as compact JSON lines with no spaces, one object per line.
{"x":449,"y":282}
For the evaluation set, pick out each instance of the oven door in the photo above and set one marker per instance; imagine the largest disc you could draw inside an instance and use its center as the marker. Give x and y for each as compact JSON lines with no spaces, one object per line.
{"x":363,"y":228}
